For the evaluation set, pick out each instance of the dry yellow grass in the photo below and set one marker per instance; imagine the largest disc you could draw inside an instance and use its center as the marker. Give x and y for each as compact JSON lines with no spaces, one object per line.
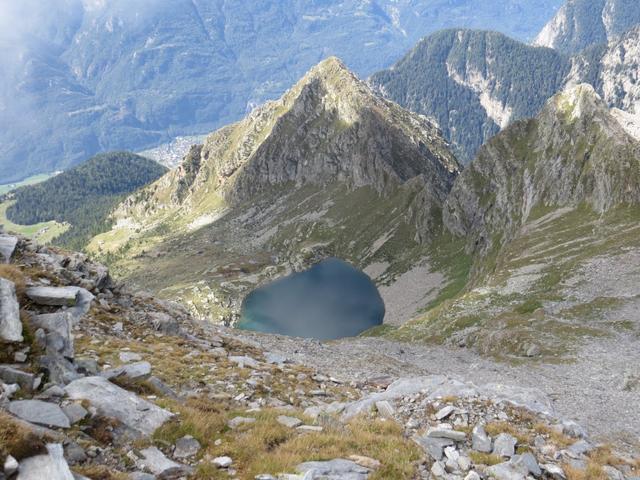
{"x":558,"y":438}
{"x":17,"y":440}
{"x":15,"y":275}
{"x":592,"y":472}
{"x":269,"y":447}
{"x":485,"y":458}
{"x":496,"y":428}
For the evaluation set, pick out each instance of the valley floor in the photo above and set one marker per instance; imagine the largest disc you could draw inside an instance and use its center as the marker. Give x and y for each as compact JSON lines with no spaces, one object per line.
{"x":600,"y":389}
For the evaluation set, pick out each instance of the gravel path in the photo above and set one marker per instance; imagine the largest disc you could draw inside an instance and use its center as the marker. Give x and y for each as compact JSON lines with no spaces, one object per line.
{"x":589,"y":390}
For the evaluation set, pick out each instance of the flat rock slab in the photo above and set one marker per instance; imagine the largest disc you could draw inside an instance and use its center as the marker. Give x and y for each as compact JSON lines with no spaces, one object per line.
{"x":508,"y":471}
{"x":157,"y":463}
{"x":338,"y":469}
{"x":51,"y":466}
{"x":8,"y":244}
{"x":434,"y":446}
{"x":54,"y":296}
{"x":10,"y":324}
{"x":132,"y":371}
{"x":244,"y":361}
{"x":186,"y":447}
{"x":291,"y":422}
{"x":40,"y":413}
{"x":440,"y":386}
{"x":140,"y":417}
{"x":26,"y":380}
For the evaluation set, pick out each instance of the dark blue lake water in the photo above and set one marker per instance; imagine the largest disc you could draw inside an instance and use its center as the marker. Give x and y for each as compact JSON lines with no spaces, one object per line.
{"x":330,"y":300}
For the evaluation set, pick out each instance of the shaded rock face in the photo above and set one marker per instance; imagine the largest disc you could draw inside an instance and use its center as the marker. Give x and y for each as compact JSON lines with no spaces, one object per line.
{"x":8,"y":245}
{"x":583,"y":23}
{"x":575,"y":152}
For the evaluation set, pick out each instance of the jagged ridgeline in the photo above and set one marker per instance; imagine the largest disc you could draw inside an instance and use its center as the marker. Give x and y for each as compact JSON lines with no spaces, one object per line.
{"x":580,"y":24}
{"x":330,"y":169}
{"x":550,"y":211}
{"x":82,"y":197}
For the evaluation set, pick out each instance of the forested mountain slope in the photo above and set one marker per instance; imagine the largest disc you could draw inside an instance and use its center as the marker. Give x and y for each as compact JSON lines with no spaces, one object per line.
{"x":83,"y":196}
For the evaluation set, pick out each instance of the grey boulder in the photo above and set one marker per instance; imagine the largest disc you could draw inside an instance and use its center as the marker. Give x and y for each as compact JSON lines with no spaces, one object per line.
{"x":74,"y":412}
{"x":480,"y":441}
{"x":186,"y":447}
{"x":157,"y":463}
{"x":51,"y":466}
{"x":140,"y":417}
{"x":434,"y":446}
{"x":57,"y":327}
{"x":507,"y":471}
{"x":504,"y":445}
{"x":40,"y":413}
{"x":338,"y":469}
{"x":8,"y":244}
{"x":26,"y":380}
{"x":54,"y":296}
{"x":10,"y":324}
{"x":131,"y":371}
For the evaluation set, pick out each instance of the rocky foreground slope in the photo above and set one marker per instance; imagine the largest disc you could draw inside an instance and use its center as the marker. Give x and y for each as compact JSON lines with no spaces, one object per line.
{"x":101,"y":383}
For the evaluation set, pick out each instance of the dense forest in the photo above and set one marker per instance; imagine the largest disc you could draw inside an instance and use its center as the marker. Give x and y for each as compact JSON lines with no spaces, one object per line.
{"x":441,"y":78}
{"x":83,"y":196}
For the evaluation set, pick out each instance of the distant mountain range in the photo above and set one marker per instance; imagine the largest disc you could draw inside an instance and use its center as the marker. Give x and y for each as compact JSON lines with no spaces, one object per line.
{"x":580,"y":24}
{"x":475,"y":83}
{"x":83,"y":76}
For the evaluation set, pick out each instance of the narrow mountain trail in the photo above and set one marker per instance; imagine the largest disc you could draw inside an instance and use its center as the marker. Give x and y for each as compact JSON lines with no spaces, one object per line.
{"x":599,"y":389}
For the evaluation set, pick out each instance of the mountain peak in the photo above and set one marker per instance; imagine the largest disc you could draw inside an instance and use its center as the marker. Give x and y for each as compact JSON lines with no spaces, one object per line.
{"x":578,"y":101}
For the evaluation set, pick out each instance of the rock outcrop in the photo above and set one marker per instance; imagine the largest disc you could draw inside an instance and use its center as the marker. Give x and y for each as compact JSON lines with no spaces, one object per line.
{"x":10,"y":323}
{"x":575,"y":152}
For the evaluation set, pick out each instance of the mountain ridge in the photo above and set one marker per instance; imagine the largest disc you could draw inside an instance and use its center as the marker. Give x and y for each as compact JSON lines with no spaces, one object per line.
{"x":330,"y":169}
{"x":580,"y":24}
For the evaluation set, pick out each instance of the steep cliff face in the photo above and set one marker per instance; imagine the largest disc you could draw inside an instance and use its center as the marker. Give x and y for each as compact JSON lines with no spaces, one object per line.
{"x":575,"y":152}
{"x":473,"y":83}
{"x":582,"y":23}
{"x":330,"y":169}
{"x":614,"y":70}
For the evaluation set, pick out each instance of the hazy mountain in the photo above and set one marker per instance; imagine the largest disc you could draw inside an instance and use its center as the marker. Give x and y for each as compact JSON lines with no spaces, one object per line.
{"x":474,"y":83}
{"x":583,"y":23}
{"x":82,"y":76}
